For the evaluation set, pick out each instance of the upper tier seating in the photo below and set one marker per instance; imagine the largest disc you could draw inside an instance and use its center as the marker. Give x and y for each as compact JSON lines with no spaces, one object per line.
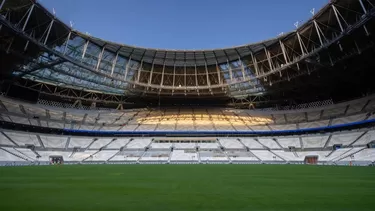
{"x":185,"y":119}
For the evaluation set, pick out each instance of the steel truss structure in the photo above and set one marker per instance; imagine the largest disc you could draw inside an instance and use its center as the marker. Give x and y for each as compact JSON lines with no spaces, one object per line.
{"x":42,"y":49}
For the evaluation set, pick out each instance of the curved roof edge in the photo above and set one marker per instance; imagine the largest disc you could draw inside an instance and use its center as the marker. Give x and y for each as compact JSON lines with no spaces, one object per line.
{"x":262,"y":43}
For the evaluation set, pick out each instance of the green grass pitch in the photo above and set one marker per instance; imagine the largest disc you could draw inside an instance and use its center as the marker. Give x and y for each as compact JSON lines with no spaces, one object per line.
{"x":187,"y":187}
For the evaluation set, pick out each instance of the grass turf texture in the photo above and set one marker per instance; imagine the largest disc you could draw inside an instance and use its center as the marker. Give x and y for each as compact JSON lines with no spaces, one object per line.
{"x":187,"y":187}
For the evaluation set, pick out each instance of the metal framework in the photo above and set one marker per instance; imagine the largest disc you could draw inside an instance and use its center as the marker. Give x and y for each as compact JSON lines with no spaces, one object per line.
{"x":46,"y":50}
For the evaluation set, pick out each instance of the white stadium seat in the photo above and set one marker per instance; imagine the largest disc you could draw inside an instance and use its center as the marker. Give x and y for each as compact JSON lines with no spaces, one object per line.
{"x":138,"y":143}
{"x":160,"y":145}
{"x":365,"y":155}
{"x":5,"y":141}
{"x":366,"y":138}
{"x":289,"y":142}
{"x":80,"y":142}
{"x":240,"y":155}
{"x":118,"y":143}
{"x":314,"y":141}
{"x":184,"y":155}
{"x":156,"y":155}
{"x":344,"y":139}
{"x":288,"y":156}
{"x":100,"y":142}
{"x":185,"y":145}
{"x":23,"y":139}
{"x":8,"y":157}
{"x":208,"y":145}
{"x":54,"y":141}
{"x":230,"y":143}
{"x":266,"y":155}
{"x":251,"y":143}
{"x":269,"y":143}
{"x":314,"y":124}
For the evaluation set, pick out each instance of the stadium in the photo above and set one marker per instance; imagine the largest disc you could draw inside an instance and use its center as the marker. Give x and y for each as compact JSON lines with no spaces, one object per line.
{"x":304,"y":98}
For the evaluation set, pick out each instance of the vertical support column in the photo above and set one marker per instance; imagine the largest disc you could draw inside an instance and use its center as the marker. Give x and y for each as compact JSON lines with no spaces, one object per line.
{"x":162,"y":75}
{"x":27,"y":43}
{"x":127,"y":68}
{"x":28,"y":16}
{"x":356,"y":45}
{"x":284,"y":52}
{"x":100,"y":58}
{"x":2,"y":4}
{"x":67,"y":42}
{"x":207,"y":76}
{"x":185,"y":76}
{"x":268,"y":58}
{"x":152,"y":71}
{"x":48,"y":32}
{"x":337,"y":17}
{"x":174,"y":75}
{"x":367,"y":32}
{"x":10,"y":45}
{"x":218,"y":73}
{"x":114,"y":63}
{"x":300,"y":43}
{"x":360,"y":2}
{"x":255,"y":63}
{"x":242,"y":69}
{"x":318,"y":32}
{"x":84,"y":49}
{"x":230,"y":71}
{"x":139,"y":71}
{"x":196,"y":76}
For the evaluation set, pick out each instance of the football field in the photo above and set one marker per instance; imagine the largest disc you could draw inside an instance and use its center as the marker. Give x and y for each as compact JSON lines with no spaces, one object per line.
{"x":187,"y":187}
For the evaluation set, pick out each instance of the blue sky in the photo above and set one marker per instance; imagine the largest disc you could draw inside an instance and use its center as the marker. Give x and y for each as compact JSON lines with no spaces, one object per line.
{"x":189,"y":24}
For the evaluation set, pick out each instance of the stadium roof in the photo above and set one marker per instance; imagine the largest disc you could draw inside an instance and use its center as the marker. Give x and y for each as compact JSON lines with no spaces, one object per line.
{"x":39,"y":47}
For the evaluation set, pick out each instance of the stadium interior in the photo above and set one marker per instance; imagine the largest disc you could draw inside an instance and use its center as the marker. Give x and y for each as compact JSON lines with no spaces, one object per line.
{"x":304,"y":97}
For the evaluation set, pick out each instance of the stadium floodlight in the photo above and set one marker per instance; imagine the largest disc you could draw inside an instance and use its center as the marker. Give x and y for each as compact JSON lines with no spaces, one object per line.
{"x":312,"y":11}
{"x":296,"y":24}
